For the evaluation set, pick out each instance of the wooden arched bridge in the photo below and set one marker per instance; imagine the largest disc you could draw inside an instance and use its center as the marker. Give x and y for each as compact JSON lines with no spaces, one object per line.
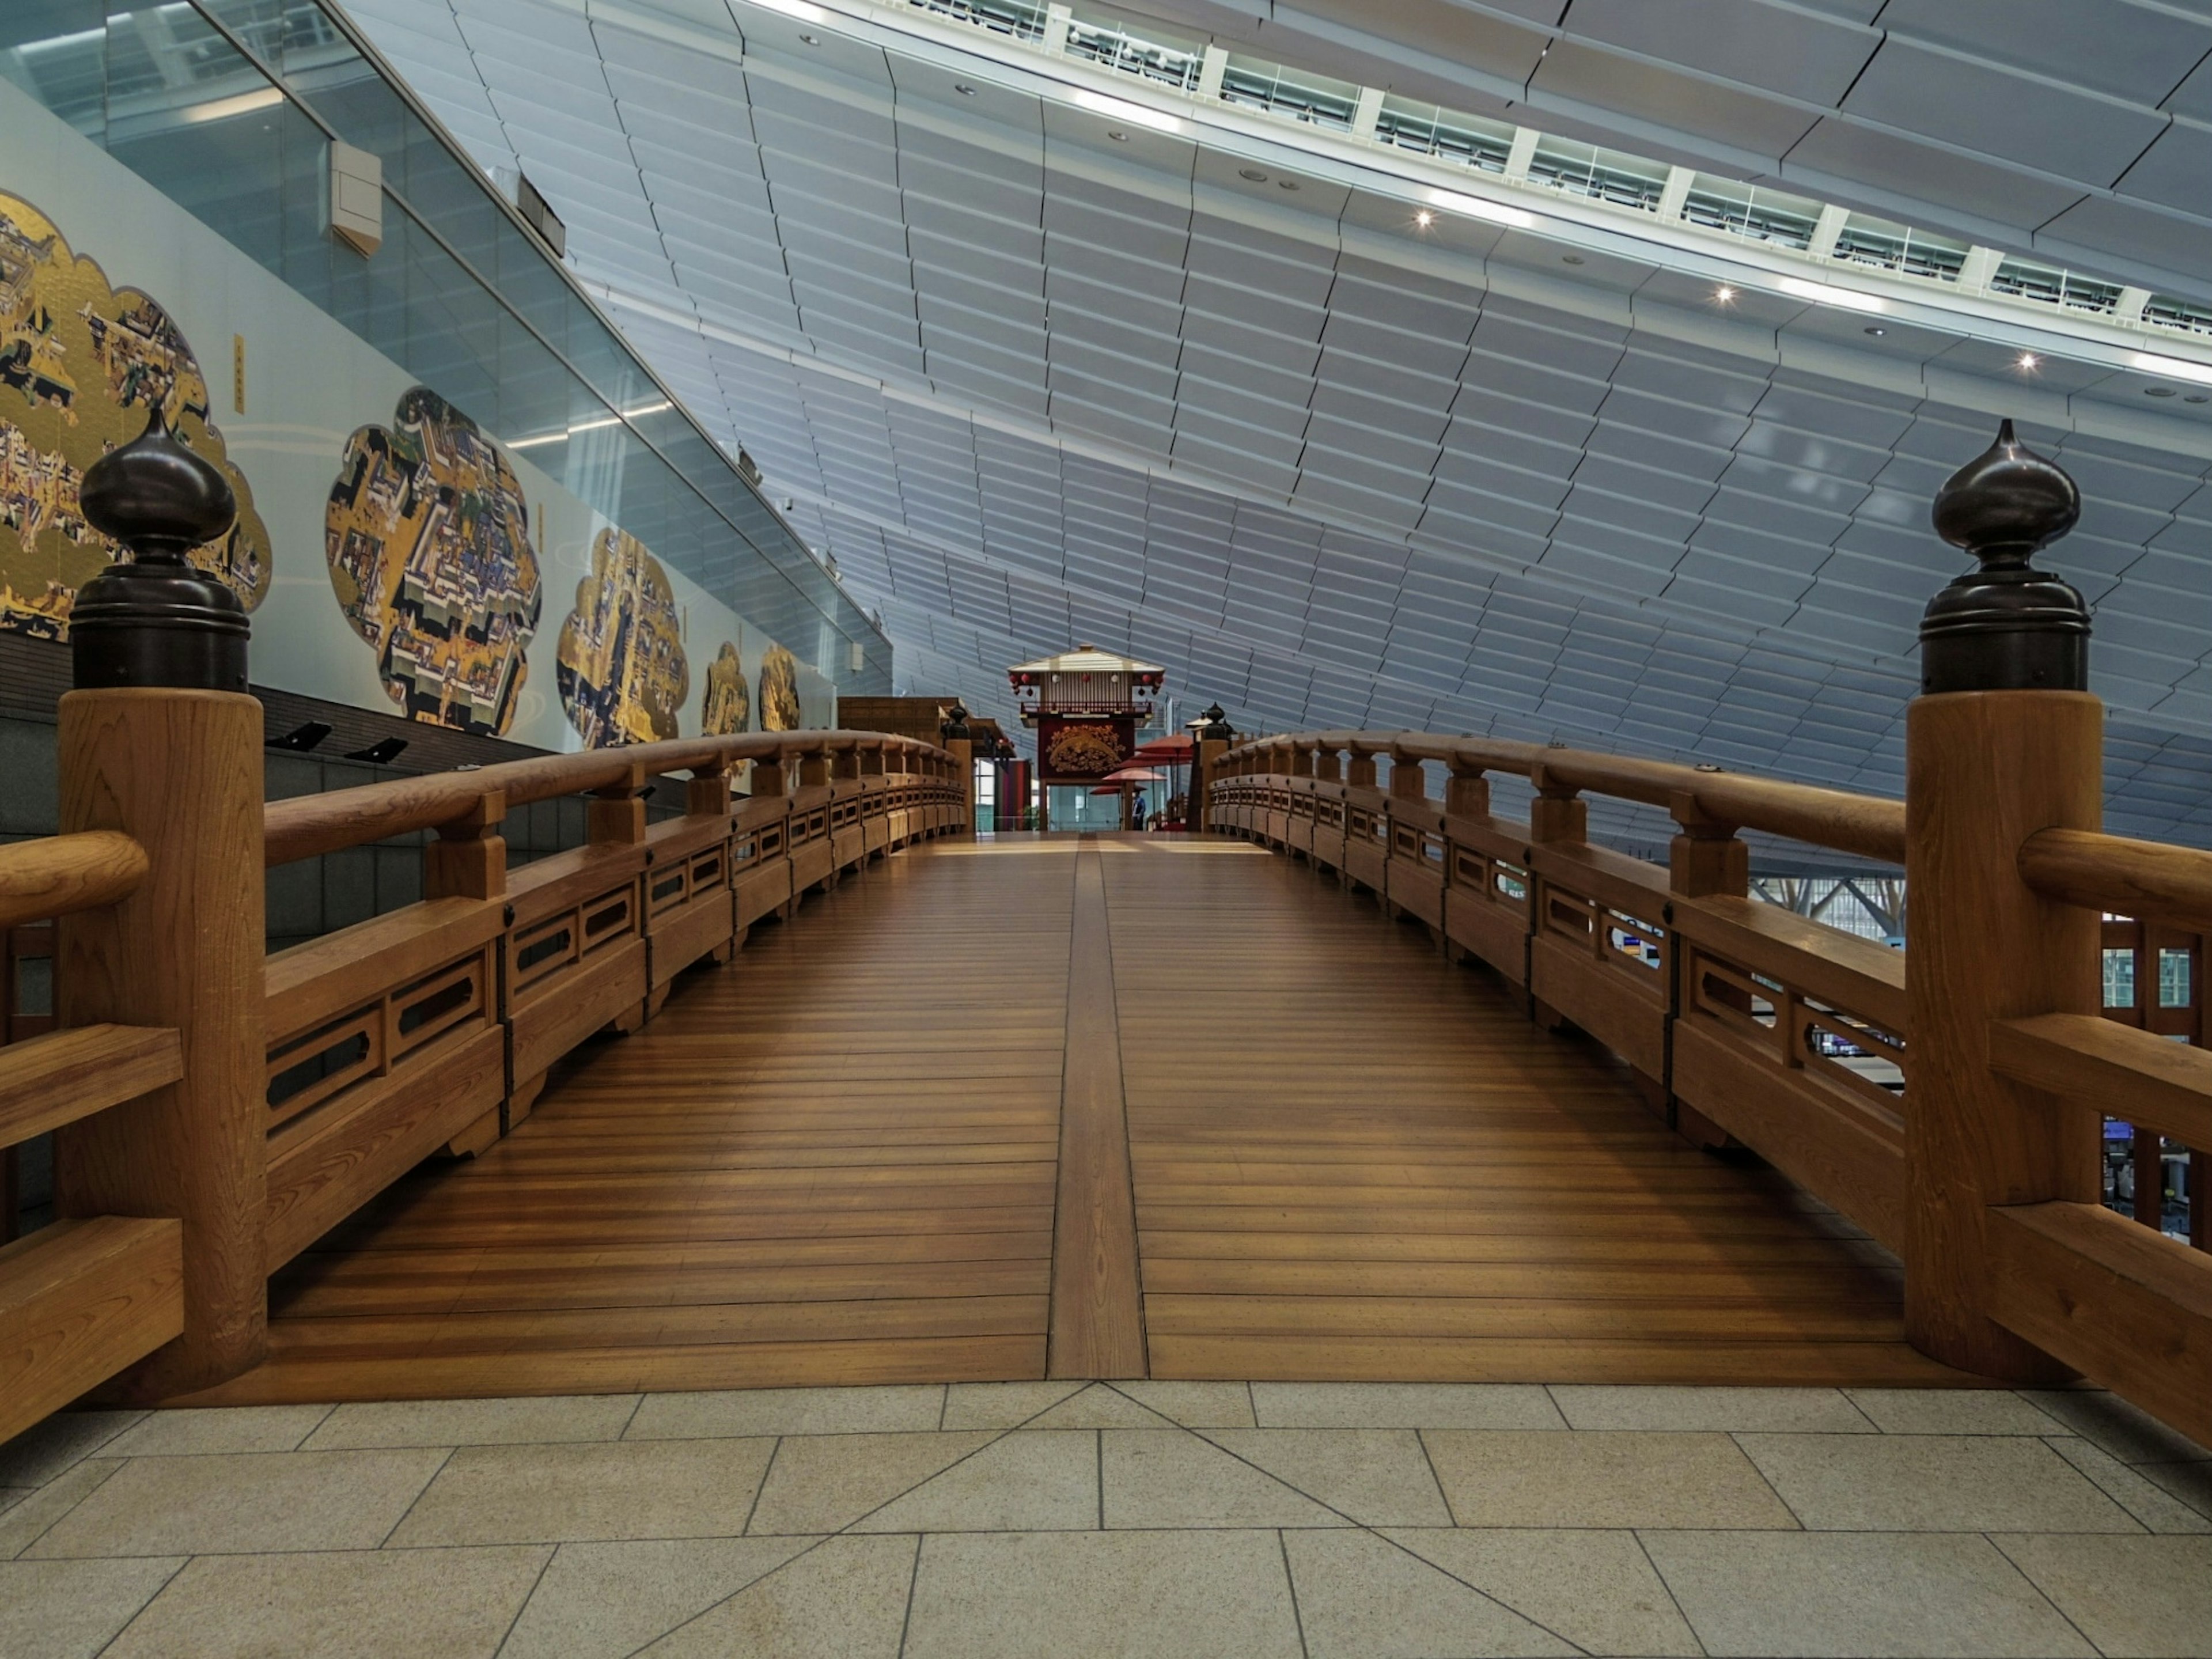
{"x":807,"y":1085}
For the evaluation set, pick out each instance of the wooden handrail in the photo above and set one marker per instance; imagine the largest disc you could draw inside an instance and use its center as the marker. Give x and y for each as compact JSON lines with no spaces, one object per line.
{"x":2144,"y":879}
{"x":1870,"y":826}
{"x":60,"y":875}
{"x":307,"y":826}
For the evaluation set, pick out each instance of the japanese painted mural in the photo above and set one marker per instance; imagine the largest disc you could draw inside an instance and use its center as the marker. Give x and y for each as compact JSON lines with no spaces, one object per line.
{"x":443,"y":535}
{"x":779,"y":691}
{"x":428,"y":536}
{"x":621,"y":667}
{"x":729,"y":707}
{"x":82,"y":366}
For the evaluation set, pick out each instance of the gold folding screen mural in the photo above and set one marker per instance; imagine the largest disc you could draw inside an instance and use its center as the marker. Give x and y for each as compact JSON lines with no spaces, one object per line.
{"x":620,"y":668}
{"x":427,"y":536}
{"x":81,"y":366}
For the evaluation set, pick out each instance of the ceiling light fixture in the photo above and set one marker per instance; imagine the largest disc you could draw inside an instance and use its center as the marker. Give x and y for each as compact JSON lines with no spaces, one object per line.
{"x":2196,"y":397}
{"x":1121,"y":110}
{"x":1877,"y":333}
{"x":2158,"y":391}
{"x":1475,"y":208}
{"x":1724,"y":294}
{"x":1827,"y":293}
{"x":221,"y":109}
{"x":1570,"y":259}
{"x":1252,"y":173}
{"x":1117,"y":134}
{"x":801,"y":9}
{"x":2180,"y":368}
{"x":1424,"y":218}
{"x":964,"y":88}
{"x":2028,"y":359}
{"x":810,"y":39}
{"x":1288,"y":184}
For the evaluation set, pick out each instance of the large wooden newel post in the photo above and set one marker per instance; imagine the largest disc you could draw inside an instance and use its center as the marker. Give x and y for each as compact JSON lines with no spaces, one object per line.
{"x":959,"y":743}
{"x":2005,"y":740}
{"x":162,"y":741}
{"x":1214,"y":737}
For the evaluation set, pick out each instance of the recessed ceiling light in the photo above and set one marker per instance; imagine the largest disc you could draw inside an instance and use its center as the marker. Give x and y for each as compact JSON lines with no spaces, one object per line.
{"x":1120,"y":109}
{"x":2028,"y":359}
{"x":2196,"y":397}
{"x":2158,"y":391}
{"x":1424,"y":218}
{"x":1253,"y":173}
{"x":964,"y":88}
{"x":1570,"y":259}
{"x":810,"y":39}
{"x":1724,"y":294}
{"x":1828,"y":293}
{"x":1877,"y":333}
{"x":1288,"y":184}
{"x":1117,"y":134}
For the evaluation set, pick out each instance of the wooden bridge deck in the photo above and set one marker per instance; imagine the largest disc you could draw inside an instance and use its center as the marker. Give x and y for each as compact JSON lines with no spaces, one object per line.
{"x":1117,"y":1107}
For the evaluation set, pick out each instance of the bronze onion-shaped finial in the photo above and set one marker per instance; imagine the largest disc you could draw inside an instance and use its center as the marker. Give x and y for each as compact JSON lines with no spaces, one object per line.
{"x":153,"y":619}
{"x":2005,"y":626}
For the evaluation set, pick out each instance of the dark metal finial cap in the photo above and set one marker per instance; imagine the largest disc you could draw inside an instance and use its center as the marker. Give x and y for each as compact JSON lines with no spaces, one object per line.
{"x":153,"y":620}
{"x":1216,"y":729}
{"x":956,"y":721}
{"x":2004,"y":626}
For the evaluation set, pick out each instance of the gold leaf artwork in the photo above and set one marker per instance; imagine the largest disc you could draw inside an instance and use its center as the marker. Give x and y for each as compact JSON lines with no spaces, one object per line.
{"x":621,"y":669}
{"x":427,"y":536}
{"x":779,"y":691}
{"x":727,"y":708}
{"x":82,"y":365}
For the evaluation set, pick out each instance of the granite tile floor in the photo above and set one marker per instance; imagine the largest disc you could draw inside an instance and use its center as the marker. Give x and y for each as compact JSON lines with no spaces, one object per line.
{"x":1185,"y":1520}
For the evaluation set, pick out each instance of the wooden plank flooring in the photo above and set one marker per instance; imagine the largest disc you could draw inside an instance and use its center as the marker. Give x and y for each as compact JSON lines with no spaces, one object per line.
{"x":842,"y":1158}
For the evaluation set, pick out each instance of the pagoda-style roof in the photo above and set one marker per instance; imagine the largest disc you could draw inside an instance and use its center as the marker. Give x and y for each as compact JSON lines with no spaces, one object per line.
{"x":1086,"y":660}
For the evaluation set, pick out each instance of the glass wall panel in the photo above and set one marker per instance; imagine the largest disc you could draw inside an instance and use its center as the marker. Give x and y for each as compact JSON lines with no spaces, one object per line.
{"x":226,"y":105}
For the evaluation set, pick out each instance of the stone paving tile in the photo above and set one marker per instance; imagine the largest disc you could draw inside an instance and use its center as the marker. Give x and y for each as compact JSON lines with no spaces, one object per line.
{"x":1224,"y":1594}
{"x":365,"y":1604}
{"x":44,"y":1450}
{"x":2128,"y":1596}
{"x":1171,"y":1478}
{"x":1377,"y":1477}
{"x":823,"y":1483}
{"x":1038,"y":1480}
{"x":1804,"y":1411}
{"x":1932,"y":1483}
{"x":1404,"y":1406}
{"x":244,"y":1503}
{"x":1638,"y":1478}
{"x":72,"y":1609}
{"x":787,"y":1411}
{"x":1195,"y":1405}
{"x":526,"y":1421}
{"x":2128,"y":1433}
{"x":1868,"y":1594}
{"x":1597,"y":1589}
{"x":30,"y":1520}
{"x":1951,"y":1411}
{"x":607,"y":1601}
{"x":2145,"y":1499}
{"x":550,"y":1494}
{"x":1002,"y":1405}
{"x":590,"y":1527}
{"x":844,"y":1599}
{"x":1362,"y":1598}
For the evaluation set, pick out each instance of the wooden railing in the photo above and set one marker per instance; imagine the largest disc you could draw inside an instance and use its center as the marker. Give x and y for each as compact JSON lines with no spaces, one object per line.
{"x":87,"y":1296}
{"x":281,"y":1093}
{"x":1948,"y":1100}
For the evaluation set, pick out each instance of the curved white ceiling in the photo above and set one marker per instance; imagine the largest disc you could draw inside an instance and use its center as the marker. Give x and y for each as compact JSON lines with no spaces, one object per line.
{"x":2080,"y":129}
{"x":1234,"y":410}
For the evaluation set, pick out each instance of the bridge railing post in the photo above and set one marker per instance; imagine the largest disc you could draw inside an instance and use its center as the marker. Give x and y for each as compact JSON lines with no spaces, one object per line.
{"x":162,"y":741}
{"x":2004,"y":740}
